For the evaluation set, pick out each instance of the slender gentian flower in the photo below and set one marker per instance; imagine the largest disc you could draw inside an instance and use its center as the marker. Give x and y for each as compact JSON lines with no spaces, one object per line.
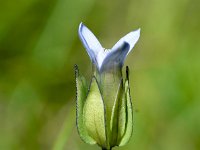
{"x":104,"y":113}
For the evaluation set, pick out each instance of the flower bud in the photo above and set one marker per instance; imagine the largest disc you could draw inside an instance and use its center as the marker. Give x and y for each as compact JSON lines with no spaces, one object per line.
{"x":104,"y":113}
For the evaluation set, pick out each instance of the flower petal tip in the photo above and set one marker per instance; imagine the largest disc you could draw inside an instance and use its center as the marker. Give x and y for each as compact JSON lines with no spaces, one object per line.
{"x":80,"y":29}
{"x":138,"y":30}
{"x":135,"y":35}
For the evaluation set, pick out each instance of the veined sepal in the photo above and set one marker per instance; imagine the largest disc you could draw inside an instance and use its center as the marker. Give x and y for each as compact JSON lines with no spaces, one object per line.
{"x":94,"y":114}
{"x":117,"y":120}
{"x":129,"y":112}
{"x":122,"y":115}
{"x":81,"y":94}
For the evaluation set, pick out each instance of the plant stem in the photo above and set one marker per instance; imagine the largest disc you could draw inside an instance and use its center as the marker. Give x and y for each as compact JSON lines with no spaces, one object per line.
{"x":106,"y":149}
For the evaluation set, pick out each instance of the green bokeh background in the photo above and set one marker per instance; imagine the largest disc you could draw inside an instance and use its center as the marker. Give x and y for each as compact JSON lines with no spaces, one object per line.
{"x":39,"y":46}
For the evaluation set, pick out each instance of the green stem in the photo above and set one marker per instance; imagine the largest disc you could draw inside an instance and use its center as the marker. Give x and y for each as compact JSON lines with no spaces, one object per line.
{"x":106,"y":149}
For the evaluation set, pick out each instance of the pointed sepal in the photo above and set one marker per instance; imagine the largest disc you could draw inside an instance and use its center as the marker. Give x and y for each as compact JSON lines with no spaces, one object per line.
{"x":81,"y":94}
{"x":117,"y":122}
{"x":129,"y":112}
{"x":122,"y":120}
{"x":94,"y":114}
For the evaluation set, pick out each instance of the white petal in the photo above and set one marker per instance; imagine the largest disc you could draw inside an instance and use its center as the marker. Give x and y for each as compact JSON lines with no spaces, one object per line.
{"x":131,"y":38}
{"x":115,"y":57}
{"x":90,"y":42}
{"x":100,"y":57}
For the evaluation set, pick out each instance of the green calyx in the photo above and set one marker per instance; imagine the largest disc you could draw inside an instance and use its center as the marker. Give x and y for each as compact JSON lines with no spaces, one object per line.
{"x":97,"y":121}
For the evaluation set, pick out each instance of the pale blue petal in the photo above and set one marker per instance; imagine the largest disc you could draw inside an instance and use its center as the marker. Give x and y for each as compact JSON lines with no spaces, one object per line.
{"x":90,"y":42}
{"x":131,"y":38}
{"x":115,"y":57}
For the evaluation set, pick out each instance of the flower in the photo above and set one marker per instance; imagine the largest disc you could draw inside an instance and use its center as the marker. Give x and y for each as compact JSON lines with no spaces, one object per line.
{"x":104,"y":111}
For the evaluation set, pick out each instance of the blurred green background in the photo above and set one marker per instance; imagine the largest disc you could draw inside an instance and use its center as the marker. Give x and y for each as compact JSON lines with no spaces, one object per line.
{"x":39,"y":46}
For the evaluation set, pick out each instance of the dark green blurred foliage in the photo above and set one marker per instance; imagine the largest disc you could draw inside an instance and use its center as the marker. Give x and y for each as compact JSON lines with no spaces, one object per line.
{"x":39,"y":46}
